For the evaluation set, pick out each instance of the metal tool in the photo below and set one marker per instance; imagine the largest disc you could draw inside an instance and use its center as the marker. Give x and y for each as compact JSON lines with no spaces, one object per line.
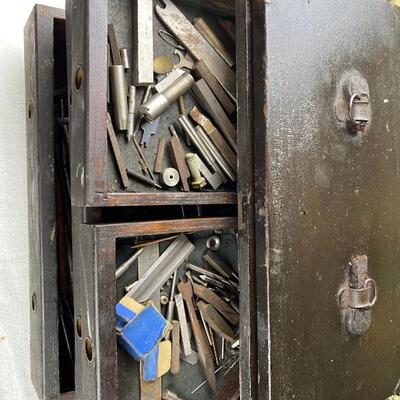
{"x":206,"y":330}
{"x":126,"y":264}
{"x":149,"y":129}
{"x":124,"y":58}
{"x":170,"y":39}
{"x":163,"y":300}
{"x":213,"y":243}
{"x":189,"y":355}
{"x":198,"y":181}
{"x":176,"y":340}
{"x":142,"y":45}
{"x":217,"y":264}
{"x":143,"y":159}
{"x":117,"y":152}
{"x":214,"y":347}
{"x":177,"y":156}
{"x":143,"y":179}
{"x":131,"y":112}
{"x":215,"y":321}
{"x":210,"y":297}
{"x":162,"y":269}
{"x":214,"y":179}
{"x":181,"y":104}
{"x":222,"y":348}
{"x":163,"y":65}
{"x":169,"y":177}
{"x":200,"y":270}
{"x":190,"y":131}
{"x":114,"y":49}
{"x":214,"y":282}
{"x":168,"y":395}
{"x":171,"y":304}
{"x":211,"y":105}
{"x":214,"y":40}
{"x":201,"y":71}
{"x":160,"y":102}
{"x":160,"y":156}
{"x":205,"y":357}
{"x":197,"y":46}
{"x":185,"y":60}
{"x":119,"y":98}
{"x":216,"y":137}
{"x":168,"y":81}
{"x":226,"y":169}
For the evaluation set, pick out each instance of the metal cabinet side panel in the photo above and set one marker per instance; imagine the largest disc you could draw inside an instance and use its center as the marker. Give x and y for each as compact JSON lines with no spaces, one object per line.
{"x":328,"y":196}
{"x":44,"y":347}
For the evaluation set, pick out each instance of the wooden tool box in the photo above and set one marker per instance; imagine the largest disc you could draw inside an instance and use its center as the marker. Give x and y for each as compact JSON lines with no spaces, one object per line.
{"x":311,"y":221}
{"x":96,"y":185}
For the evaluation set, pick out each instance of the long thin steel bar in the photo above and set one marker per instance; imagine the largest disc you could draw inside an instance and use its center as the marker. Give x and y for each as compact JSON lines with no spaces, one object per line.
{"x":142,"y":29}
{"x":197,"y":45}
{"x":162,"y":269}
{"x":126,"y":264}
{"x":212,"y":106}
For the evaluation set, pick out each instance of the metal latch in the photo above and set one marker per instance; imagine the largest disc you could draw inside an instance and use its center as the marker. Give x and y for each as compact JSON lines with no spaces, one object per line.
{"x":353,"y":104}
{"x":357,"y":296}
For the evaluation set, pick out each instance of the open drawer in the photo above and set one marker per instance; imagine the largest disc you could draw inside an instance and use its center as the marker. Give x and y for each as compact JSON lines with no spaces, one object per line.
{"x":103,"y":147}
{"x":104,"y":371}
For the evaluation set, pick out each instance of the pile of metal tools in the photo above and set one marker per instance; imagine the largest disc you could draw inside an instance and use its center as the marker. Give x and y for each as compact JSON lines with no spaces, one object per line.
{"x":176,"y":302}
{"x":178,"y":119}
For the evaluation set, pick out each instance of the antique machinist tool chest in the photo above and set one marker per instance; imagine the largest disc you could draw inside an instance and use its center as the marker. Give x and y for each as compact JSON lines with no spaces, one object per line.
{"x":219,"y":181}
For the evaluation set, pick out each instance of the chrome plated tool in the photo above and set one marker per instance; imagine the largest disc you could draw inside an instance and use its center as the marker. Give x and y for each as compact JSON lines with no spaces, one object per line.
{"x":119,"y":96}
{"x":169,"y":177}
{"x":161,"y":101}
{"x":131,"y":112}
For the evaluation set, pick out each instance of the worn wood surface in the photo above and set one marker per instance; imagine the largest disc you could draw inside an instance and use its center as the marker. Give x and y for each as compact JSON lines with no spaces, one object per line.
{"x":39,"y":86}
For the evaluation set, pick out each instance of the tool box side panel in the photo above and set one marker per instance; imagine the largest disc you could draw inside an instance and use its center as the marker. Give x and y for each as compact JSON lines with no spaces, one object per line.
{"x":39,"y":41}
{"x":87,"y":31}
{"x":334,"y":194}
{"x":94,"y":295}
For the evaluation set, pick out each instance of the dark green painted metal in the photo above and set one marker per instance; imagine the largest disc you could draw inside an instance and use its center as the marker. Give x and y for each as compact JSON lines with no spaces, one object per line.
{"x":323,"y":196}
